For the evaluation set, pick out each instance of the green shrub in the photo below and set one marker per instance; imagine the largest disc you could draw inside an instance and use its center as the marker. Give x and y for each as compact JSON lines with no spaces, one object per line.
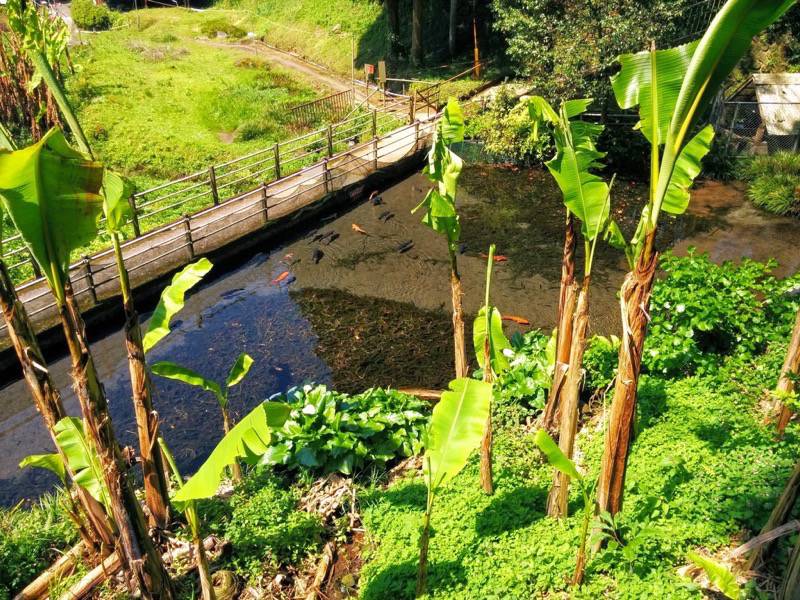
{"x":779,"y":194}
{"x":328,"y":431}
{"x":266,"y":528}
{"x":29,"y":541}
{"x":600,"y":362}
{"x":88,"y":15}
{"x":703,"y":311}
{"x":521,"y":392}
{"x":774,"y":182}
{"x":213,"y":27}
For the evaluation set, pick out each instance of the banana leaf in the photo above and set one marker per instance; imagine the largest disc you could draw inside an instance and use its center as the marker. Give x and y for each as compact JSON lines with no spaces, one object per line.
{"x":52,"y":194}
{"x":456,"y":429}
{"x":555,"y":456}
{"x":174,"y":371}
{"x":686,"y":169}
{"x":116,"y":191}
{"x":239,"y":370}
{"x":718,"y":575}
{"x":248,"y":440}
{"x":451,"y":124}
{"x":83,"y":461}
{"x":172,"y":300}
{"x":49,"y":462}
{"x":499,"y":341}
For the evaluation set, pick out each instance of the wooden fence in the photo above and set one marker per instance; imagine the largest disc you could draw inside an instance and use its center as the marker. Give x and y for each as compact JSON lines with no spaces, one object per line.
{"x":332,"y":108}
{"x":165,"y":248}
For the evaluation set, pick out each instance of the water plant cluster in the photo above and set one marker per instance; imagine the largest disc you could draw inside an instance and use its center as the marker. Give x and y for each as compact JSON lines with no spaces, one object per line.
{"x":720,"y":325}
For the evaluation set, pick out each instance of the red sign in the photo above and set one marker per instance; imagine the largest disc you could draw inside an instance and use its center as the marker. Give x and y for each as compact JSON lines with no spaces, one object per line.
{"x":369,"y":69}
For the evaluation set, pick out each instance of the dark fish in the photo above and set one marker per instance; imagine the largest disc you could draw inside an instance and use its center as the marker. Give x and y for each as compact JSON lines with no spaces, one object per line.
{"x":384,"y":214}
{"x":317,"y":255}
{"x":329,"y":217}
{"x":290,"y":279}
{"x":375,"y":198}
{"x":331,"y":238}
{"x":462,"y":247}
{"x":405,"y":246}
{"x":231,"y":293}
{"x":317,"y":238}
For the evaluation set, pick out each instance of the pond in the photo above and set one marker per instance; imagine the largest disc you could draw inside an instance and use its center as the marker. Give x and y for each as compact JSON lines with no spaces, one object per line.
{"x":355,"y":311}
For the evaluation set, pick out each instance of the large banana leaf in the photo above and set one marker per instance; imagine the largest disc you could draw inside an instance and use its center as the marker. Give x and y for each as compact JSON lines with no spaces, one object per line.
{"x":52,"y":194}
{"x":687,"y":168}
{"x":116,"y":190}
{"x":555,"y":456}
{"x":451,"y":124}
{"x":499,"y":341}
{"x":248,"y":440}
{"x":239,"y":370}
{"x":83,"y":461}
{"x":440,"y":215}
{"x":456,"y":429}
{"x":172,"y":300}
{"x":174,"y":371}
{"x":49,"y":462}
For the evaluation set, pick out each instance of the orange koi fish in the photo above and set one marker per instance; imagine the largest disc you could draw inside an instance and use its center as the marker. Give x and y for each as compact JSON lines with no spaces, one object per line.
{"x":517,"y":320}
{"x":497,"y":257}
{"x":358,"y":229}
{"x":280,"y":278}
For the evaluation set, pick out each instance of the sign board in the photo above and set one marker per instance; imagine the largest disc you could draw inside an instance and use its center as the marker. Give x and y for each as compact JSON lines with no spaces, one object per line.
{"x":382,"y":72}
{"x":369,"y":70}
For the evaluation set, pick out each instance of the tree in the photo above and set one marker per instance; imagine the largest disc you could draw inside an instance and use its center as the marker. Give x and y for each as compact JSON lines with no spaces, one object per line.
{"x":393,"y":16}
{"x":673,"y":89}
{"x":451,"y":30}
{"x":417,"y":51}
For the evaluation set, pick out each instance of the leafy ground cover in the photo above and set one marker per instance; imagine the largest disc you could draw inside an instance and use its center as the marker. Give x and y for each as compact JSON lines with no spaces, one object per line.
{"x":704,"y":471}
{"x":773,"y":182}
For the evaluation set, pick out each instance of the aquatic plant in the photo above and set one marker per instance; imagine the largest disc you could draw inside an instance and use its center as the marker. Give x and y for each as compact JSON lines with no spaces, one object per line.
{"x":443,"y":169}
{"x":672,"y":89}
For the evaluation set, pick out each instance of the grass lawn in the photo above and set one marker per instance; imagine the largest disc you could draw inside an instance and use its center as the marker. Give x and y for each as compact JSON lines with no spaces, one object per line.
{"x":159,"y":102}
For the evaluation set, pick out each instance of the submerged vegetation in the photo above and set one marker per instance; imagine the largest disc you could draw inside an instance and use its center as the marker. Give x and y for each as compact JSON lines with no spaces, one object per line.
{"x":675,"y":439}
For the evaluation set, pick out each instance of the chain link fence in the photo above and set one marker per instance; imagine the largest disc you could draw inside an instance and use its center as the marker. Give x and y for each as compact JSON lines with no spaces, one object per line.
{"x":750,"y":127}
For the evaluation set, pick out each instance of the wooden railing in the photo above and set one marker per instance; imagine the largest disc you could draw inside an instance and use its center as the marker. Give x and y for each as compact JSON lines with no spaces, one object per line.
{"x":330,"y":108}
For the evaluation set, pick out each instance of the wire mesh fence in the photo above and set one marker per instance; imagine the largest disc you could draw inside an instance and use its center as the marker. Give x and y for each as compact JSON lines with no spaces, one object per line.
{"x":758,"y":127}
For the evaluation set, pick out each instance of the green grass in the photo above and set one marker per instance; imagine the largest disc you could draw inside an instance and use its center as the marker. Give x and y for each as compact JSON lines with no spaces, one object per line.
{"x":158,"y":102}
{"x":773,"y":182}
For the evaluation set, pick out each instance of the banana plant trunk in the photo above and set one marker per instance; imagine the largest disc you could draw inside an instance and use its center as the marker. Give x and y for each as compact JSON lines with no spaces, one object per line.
{"x":791,"y":366}
{"x":790,"y":588}
{"x":780,"y":514}
{"x":140,"y":557}
{"x":559,"y":494}
{"x":424,"y":542}
{"x":634,"y":304}
{"x":203,"y":571}
{"x":566,"y":312}
{"x":487,"y":477}
{"x":95,"y":528}
{"x":236,"y":468}
{"x":462,"y":367}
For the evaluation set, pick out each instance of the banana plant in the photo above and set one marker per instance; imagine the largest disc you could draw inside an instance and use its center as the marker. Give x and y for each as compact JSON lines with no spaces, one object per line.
{"x":565,"y":466}
{"x":249,"y":440}
{"x":673,"y":90}
{"x":193,"y":520}
{"x":443,"y":170}
{"x":718,"y":575}
{"x":51,"y":192}
{"x":490,"y":345}
{"x":237,"y":373}
{"x":456,"y":429}
{"x":587,"y":197}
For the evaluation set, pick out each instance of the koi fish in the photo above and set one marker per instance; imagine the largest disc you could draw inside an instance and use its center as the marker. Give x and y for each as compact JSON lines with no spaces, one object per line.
{"x":405,"y":246}
{"x":517,"y":320}
{"x":280,"y":278}
{"x":317,"y":255}
{"x":331,"y":238}
{"x":358,"y":229}
{"x":497,"y":257}
{"x":375,"y":199}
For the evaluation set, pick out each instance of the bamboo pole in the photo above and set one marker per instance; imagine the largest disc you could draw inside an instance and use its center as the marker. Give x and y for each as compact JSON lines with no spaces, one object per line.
{"x":39,"y":587}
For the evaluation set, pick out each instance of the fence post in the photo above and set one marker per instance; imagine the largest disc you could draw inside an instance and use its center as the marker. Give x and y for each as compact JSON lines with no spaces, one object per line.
{"x":277,"y":161}
{"x":264,"y":203}
{"x":374,"y":122}
{"x":137,"y":231}
{"x":412,"y":106}
{"x":37,"y":272}
{"x":330,"y":140}
{"x":416,"y":136}
{"x":375,"y":153}
{"x":87,"y":265}
{"x":733,"y":125}
{"x":187,"y":228}
{"x":325,"y":175}
{"x":212,"y":178}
